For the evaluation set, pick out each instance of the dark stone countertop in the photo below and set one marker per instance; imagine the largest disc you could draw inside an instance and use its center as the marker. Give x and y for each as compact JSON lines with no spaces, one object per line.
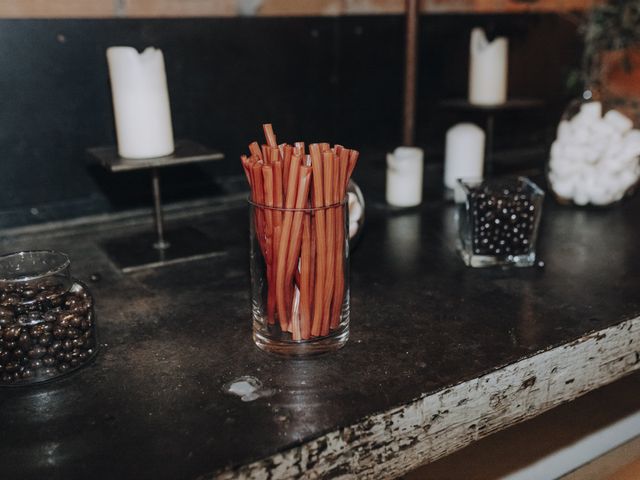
{"x":152,"y":404}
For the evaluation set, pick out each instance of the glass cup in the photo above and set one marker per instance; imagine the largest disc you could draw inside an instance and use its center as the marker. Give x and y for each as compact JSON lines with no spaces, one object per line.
{"x":300,"y":278}
{"x":498,"y":221}
{"x":47,"y":322}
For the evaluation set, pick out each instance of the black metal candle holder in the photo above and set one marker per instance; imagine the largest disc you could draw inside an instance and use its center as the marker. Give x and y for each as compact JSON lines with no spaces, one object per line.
{"x":160,"y":248}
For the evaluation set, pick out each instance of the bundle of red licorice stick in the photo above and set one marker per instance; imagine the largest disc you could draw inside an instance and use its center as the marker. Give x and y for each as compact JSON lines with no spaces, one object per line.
{"x":300,"y":227}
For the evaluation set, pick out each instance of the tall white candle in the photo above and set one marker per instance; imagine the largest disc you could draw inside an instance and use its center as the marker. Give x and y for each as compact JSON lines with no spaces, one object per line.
{"x":488,"y":66}
{"x":464,"y":154}
{"x":405,"y":168}
{"x":140,"y":102}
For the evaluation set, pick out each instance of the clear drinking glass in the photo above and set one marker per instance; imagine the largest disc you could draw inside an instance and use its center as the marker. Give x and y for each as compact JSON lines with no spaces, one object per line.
{"x":498,"y":221}
{"x":47,"y":322}
{"x":300,"y":278}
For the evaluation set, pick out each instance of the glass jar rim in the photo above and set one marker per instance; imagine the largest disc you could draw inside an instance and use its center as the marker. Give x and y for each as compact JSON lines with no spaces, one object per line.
{"x":466,"y":182}
{"x":63,"y":262}
{"x":303,"y":210}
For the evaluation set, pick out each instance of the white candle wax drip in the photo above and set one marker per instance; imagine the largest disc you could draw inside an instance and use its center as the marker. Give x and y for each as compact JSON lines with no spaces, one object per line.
{"x":140,"y":102}
{"x":488,"y":65}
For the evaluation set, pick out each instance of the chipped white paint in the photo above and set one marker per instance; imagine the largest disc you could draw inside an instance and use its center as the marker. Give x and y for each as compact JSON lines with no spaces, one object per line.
{"x":389,"y":444}
{"x":247,"y":388}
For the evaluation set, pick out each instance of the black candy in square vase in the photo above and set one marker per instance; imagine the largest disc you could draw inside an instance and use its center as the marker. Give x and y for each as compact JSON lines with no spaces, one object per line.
{"x":47,"y":321}
{"x":498,"y":221}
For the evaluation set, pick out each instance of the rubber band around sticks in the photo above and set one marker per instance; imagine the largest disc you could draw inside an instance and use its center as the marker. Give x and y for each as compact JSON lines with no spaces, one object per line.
{"x":304,"y":210}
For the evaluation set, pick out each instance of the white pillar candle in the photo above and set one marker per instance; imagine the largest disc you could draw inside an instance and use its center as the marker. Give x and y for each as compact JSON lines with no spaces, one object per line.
{"x":464,"y":154}
{"x":487,"y":69}
{"x":405,"y":168}
{"x":140,"y":102}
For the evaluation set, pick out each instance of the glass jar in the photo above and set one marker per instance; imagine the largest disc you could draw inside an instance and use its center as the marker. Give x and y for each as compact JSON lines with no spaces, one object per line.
{"x":300,"y":278}
{"x":498,"y":221}
{"x":355,"y":200}
{"x":47,"y":322}
{"x":595,"y":157}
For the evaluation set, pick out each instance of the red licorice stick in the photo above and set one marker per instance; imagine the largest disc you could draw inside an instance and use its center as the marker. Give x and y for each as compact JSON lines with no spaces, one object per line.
{"x":335,"y":186}
{"x":292,"y":174}
{"x":264,"y":152}
{"x":338,"y":292}
{"x":353,"y":160}
{"x":267,"y":182}
{"x":267,"y":176}
{"x":343,"y":167}
{"x":274,"y":154}
{"x":251,"y":182}
{"x":281,"y":287}
{"x":295,"y":238}
{"x":286,"y":163}
{"x":255,"y":151}
{"x":312,"y":270}
{"x":337,"y":229}
{"x":328,"y":162}
{"x":269,"y":135}
{"x":267,"y":185}
{"x":305,"y":279}
{"x":272,"y":283}
{"x":278,"y":198}
{"x":258,"y":190}
{"x":278,"y":201}
{"x":245,"y":166}
{"x":258,"y":197}
{"x":249,"y":164}
{"x":321,"y":251}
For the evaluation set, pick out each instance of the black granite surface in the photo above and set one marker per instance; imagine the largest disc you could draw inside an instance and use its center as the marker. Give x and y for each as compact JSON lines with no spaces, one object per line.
{"x":152,"y":404}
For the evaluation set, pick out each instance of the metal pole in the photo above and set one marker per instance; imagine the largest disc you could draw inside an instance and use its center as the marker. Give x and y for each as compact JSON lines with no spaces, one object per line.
{"x":161,"y":244}
{"x":488,"y":162}
{"x":410,"y":72}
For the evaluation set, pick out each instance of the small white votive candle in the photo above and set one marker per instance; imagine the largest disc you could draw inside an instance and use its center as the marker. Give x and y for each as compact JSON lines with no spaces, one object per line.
{"x":464,"y":155}
{"x":405,"y":167}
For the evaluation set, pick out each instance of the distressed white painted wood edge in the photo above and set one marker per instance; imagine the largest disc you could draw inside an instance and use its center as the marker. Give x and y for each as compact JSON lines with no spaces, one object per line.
{"x":389,"y":444}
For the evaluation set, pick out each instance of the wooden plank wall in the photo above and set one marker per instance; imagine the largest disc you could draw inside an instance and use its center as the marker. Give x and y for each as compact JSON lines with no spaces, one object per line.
{"x":231,"y":8}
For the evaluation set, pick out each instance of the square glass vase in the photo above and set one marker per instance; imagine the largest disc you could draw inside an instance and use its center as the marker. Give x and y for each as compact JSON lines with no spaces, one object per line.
{"x":498,"y":221}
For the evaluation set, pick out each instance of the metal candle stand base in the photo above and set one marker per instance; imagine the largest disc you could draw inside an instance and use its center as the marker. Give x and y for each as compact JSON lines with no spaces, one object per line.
{"x":149,"y":250}
{"x":138,"y":252}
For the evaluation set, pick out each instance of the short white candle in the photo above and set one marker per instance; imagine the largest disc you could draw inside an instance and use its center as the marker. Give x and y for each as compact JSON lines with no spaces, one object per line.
{"x":140,"y":102}
{"x":488,"y":65}
{"x":464,"y":154}
{"x":405,"y":168}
